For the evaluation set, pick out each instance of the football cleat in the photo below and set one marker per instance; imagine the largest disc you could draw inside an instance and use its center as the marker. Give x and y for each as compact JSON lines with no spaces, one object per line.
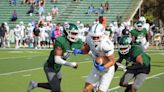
{"x":31,"y":86}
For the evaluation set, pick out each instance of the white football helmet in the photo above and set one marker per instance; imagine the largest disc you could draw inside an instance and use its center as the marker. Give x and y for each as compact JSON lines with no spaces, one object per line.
{"x":142,"y":18}
{"x":21,"y":23}
{"x":139,"y":25}
{"x":29,"y":25}
{"x":97,"y":33}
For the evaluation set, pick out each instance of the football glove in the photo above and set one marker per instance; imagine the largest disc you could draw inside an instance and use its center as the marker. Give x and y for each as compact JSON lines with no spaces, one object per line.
{"x":77,"y":51}
{"x":98,"y":67}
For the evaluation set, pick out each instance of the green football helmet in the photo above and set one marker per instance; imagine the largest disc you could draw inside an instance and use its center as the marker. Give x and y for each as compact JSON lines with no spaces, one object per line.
{"x":72,"y":32}
{"x":125,"y":44}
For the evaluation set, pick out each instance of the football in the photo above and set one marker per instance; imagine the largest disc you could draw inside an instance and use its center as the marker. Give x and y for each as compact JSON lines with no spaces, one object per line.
{"x":102,"y":60}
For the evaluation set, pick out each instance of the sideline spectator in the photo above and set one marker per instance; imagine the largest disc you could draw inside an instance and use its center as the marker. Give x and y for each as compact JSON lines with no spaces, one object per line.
{"x":55,"y":11}
{"x":102,"y":8}
{"x":107,"y":7}
{"x":90,"y":9}
{"x":42,"y":3}
{"x":54,"y":1}
{"x":41,"y":9}
{"x":41,"y":20}
{"x":2,"y":35}
{"x":14,"y":16}
{"x":36,"y":33}
{"x":57,"y":32}
{"x":31,"y":10}
{"x":33,"y":23}
{"x":48,"y":18}
{"x":13,"y":2}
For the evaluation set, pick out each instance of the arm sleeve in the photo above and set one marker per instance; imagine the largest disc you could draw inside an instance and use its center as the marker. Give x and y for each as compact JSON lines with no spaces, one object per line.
{"x":59,"y":60}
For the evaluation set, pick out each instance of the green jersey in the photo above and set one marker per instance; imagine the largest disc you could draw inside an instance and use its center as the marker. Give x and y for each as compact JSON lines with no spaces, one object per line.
{"x":140,"y":36}
{"x":134,"y":52}
{"x":65,"y":44}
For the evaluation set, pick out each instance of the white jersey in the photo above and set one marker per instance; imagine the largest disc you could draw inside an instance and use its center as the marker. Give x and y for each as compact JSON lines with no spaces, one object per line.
{"x":42,"y":31}
{"x":147,"y":26}
{"x":100,"y":79}
{"x":30,"y":31}
{"x":105,"y":48}
{"x":17,"y":32}
{"x":22,"y":28}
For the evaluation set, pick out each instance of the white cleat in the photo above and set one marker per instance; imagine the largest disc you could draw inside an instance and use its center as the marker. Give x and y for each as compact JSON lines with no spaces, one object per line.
{"x":31,"y":86}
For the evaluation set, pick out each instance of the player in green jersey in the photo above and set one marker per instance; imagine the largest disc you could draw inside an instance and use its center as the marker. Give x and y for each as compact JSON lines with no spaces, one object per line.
{"x":57,"y":58}
{"x":138,"y":67}
{"x":140,"y":35}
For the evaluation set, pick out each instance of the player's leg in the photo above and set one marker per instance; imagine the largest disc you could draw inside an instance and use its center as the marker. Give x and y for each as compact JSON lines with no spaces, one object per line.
{"x":54,"y":79}
{"x":139,"y":79}
{"x":88,"y":87}
{"x":124,"y":81}
{"x":91,"y":80}
{"x":105,"y":80}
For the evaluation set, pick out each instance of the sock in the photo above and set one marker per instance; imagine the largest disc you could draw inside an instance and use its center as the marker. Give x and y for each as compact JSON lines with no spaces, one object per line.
{"x":128,"y":88}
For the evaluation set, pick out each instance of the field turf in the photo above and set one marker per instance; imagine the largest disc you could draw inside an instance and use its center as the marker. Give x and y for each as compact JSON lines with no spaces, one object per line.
{"x":18,"y":67}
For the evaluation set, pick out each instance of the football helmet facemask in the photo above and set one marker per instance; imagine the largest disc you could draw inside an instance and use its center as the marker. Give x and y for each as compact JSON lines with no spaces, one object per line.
{"x":72,"y":32}
{"x":139,"y":25}
{"x":124,"y":44}
{"x":97,"y":33}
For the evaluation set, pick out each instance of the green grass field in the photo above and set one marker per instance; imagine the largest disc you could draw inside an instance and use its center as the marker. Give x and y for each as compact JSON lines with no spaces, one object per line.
{"x":18,"y":67}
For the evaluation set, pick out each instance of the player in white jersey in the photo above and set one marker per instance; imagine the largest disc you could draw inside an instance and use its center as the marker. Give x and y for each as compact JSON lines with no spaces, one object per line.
{"x":30,"y":35}
{"x":81,"y":32}
{"x":22,"y":29}
{"x":17,"y":33}
{"x":42,"y":35}
{"x":145,"y":25}
{"x":97,"y":45}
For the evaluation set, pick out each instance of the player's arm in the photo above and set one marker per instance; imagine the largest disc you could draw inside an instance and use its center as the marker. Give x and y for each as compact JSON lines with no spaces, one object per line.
{"x":58,"y":52}
{"x":139,"y":59}
{"x":110,"y":62}
{"x":119,"y":60}
{"x":138,"y":64}
{"x":108,"y":48}
{"x":84,"y":49}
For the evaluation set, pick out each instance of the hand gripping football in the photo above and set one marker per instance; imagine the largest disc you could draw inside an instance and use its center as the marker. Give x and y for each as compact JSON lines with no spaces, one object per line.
{"x":102,"y":60}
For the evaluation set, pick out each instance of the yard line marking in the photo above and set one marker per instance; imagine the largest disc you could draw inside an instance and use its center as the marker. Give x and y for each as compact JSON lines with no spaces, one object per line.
{"x":150,"y":77}
{"x":27,"y":75}
{"x":27,"y":70}
{"x":9,"y":73}
{"x":22,"y":57}
{"x":84,"y":76}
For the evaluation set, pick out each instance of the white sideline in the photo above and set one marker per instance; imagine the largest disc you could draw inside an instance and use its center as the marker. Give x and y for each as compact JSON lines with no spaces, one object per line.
{"x":150,"y":77}
{"x":27,"y":70}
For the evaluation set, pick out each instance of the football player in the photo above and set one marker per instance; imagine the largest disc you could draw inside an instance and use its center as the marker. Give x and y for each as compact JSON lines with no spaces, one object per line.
{"x":140,"y":35}
{"x":97,"y":44}
{"x":145,"y":25}
{"x":17,"y":33}
{"x":138,"y":67}
{"x":56,"y":59}
{"x":22,"y":29}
